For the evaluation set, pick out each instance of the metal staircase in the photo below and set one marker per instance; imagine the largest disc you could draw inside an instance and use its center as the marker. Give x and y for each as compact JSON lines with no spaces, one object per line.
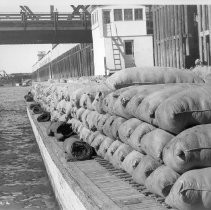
{"x":116,"y":50}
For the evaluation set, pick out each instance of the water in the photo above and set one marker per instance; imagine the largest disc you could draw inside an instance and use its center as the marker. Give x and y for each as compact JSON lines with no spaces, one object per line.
{"x":24,"y":183}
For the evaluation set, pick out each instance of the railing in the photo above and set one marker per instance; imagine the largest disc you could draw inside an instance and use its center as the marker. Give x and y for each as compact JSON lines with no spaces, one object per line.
{"x":45,"y":17}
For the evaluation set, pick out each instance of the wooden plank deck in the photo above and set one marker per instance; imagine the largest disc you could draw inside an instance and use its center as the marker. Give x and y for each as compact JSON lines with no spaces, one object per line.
{"x":91,"y":184}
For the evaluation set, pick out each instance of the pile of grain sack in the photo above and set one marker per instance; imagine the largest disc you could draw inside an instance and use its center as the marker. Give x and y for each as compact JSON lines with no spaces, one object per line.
{"x":151,"y":122}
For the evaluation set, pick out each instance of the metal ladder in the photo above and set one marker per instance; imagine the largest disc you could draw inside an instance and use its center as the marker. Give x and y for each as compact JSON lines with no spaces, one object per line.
{"x":116,"y":51}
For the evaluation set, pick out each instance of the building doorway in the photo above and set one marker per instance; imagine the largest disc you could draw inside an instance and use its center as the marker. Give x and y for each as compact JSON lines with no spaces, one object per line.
{"x":129,"y":53}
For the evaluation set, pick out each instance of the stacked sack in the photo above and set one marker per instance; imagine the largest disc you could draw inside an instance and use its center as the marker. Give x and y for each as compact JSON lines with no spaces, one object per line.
{"x":140,"y":122}
{"x":128,"y":134}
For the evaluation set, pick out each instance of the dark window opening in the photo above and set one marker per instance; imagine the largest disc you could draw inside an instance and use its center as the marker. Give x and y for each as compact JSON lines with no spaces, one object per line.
{"x":106,"y":17}
{"x":128,"y":47}
{"x":117,"y":14}
{"x":138,"y":14}
{"x":128,"y":14}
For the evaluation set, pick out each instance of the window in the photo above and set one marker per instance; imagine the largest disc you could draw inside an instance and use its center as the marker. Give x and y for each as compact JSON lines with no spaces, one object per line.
{"x":129,"y":47}
{"x":106,"y":17}
{"x":128,"y":14}
{"x":117,"y":14}
{"x":138,"y":14}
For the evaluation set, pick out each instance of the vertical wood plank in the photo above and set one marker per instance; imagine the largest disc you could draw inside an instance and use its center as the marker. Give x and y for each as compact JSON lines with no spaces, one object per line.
{"x":176,"y":35}
{"x":154,"y":14}
{"x":180,"y":36}
{"x":209,"y":25}
{"x":158,"y":34}
{"x":204,"y":37}
{"x":162,"y":37}
{"x":199,"y":31}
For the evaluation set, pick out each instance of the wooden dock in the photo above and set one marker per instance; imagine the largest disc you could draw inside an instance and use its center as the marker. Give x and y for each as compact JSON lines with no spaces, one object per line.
{"x":91,"y":184}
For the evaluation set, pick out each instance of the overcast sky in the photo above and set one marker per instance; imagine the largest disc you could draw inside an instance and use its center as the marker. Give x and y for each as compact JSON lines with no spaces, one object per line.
{"x":20,"y":58}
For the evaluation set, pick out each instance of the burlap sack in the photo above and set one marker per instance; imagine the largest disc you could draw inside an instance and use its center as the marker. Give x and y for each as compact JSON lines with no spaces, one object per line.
{"x":153,"y":142}
{"x":61,"y":106}
{"x":131,"y":161}
{"x":67,"y":145}
{"x":55,"y":115}
{"x":188,"y":108}
{"x":123,"y":99}
{"x":119,"y":155}
{"x":73,"y":112}
{"x":79,"y":128}
{"x":84,"y":116}
{"x":207,"y":79}
{"x":76,"y":150}
{"x":84,"y":134}
{"x":104,"y":146}
{"x":86,"y":101}
{"x":75,"y":124}
{"x":150,"y":75}
{"x":136,"y":100}
{"x":108,"y":126}
{"x":91,"y":119}
{"x":97,"y":141}
{"x":92,"y":136}
{"x":111,"y":150}
{"x":190,"y":149}
{"x":138,"y":134}
{"x":146,"y":110}
{"x":161,"y":180}
{"x":115,"y":126}
{"x":145,"y":167}
{"x":97,"y":104}
{"x":91,"y":89}
{"x":127,"y":128}
{"x":110,"y":99}
{"x":69,"y":106}
{"x":101,"y":121}
{"x":192,"y":191}
{"x":63,"y":118}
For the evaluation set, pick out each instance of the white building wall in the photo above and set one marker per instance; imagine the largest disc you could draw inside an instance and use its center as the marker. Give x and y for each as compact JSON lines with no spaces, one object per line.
{"x":99,"y":52}
{"x":124,"y":27}
{"x":143,"y":51}
{"x":132,"y":28}
{"x":135,"y":30}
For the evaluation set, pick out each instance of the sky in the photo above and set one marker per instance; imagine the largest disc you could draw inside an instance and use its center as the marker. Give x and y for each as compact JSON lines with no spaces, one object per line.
{"x":21,"y":58}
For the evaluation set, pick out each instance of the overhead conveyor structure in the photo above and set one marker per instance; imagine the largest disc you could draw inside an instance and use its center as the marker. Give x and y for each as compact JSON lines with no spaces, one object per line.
{"x":28,"y":27}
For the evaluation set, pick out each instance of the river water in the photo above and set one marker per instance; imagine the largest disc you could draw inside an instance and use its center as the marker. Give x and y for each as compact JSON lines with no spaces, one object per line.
{"x":24,"y":183}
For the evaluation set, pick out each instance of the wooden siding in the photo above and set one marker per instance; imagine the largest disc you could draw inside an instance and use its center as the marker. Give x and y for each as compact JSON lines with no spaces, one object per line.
{"x":77,"y":62}
{"x":175,"y":35}
{"x":204,"y":31}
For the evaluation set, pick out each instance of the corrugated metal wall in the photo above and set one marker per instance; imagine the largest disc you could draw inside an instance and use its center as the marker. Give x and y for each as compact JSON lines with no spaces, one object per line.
{"x":175,"y":35}
{"x":77,"y":62}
